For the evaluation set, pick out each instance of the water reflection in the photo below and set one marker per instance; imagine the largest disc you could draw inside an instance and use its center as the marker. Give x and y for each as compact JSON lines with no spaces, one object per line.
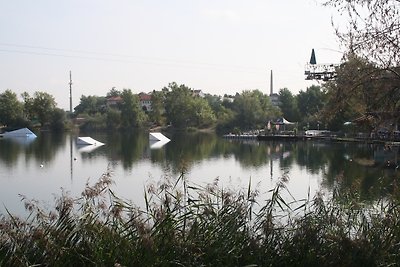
{"x":369,"y":168}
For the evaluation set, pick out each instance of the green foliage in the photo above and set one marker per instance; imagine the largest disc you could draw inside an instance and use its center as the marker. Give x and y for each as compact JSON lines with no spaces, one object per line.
{"x":44,"y":104}
{"x":113,"y":117}
{"x":132,"y":114}
{"x":11,"y":110}
{"x":58,"y":120}
{"x":28,"y":105}
{"x":178,"y":105}
{"x":226,"y":120}
{"x":362,"y":88}
{"x":96,"y":122}
{"x":203,"y":114}
{"x":253,"y":109}
{"x":368,"y":80}
{"x":158,"y":108}
{"x":288,"y":105}
{"x":113,"y":93}
{"x":91,"y":105}
{"x":311,"y":101}
{"x":183,"y":109}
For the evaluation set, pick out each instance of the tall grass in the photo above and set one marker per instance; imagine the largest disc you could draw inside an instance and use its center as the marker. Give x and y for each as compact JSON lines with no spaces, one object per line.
{"x":187,"y":225}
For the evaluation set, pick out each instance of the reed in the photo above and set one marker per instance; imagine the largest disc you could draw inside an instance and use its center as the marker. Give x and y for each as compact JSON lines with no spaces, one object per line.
{"x":183,"y":224}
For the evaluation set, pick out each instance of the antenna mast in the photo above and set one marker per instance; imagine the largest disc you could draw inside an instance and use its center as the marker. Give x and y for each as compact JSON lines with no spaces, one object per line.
{"x":70,"y":92}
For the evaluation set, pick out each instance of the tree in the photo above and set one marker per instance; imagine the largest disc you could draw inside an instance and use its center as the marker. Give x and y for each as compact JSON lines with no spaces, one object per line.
{"x":57,"y":120}
{"x":253,"y":109}
{"x":11,"y":110}
{"x":114,"y":92}
{"x":113,"y":118}
{"x":361,"y":88}
{"x":372,"y":40}
{"x":311,"y":101}
{"x":91,"y":105}
{"x":28,"y":106}
{"x":204,"y":115}
{"x":374,"y":30}
{"x":157,"y":107}
{"x":288,"y":105}
{"x":183,"y":109}
{"x":43,"y":106}
{"x":178,"y":105}
{"x":132,"y":114}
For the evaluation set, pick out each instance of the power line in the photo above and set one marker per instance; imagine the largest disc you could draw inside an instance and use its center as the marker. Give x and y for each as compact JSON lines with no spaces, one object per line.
{"x":121,"y":58}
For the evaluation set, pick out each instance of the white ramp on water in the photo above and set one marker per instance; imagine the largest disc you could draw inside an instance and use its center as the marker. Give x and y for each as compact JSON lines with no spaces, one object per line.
{"x":88,"y":141}
{"x":88,"y":148}
{"x":23,"y":132}
{"x":157,"y":144}
{"x":157,"y":140}
{"x":158,"y":137}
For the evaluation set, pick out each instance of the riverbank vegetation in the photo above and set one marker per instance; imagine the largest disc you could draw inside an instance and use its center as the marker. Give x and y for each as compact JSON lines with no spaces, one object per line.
{"x":183,"y":224}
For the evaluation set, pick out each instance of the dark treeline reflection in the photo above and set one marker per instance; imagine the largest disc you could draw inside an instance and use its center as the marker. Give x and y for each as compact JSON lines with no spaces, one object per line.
{"x":41,"y":149}
{"x":370,"y":169}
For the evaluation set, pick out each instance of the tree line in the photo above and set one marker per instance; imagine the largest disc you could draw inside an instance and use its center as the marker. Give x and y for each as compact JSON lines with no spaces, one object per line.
{"x":177,"y":106}
{"x":360,"y":87}
{"x":174,"y":105}
{"x":33,"y":111}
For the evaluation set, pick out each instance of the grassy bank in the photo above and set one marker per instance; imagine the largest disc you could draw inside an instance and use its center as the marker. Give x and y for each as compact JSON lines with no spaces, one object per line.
{"x":187,"y":225}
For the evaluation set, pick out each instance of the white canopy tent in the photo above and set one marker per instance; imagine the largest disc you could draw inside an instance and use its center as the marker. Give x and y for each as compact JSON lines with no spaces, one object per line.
{"x":283,"y":121}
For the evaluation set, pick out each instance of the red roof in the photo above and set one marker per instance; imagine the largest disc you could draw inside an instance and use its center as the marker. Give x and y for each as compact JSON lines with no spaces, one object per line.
{"x":114,"y":98}
{"x":144,"y":97}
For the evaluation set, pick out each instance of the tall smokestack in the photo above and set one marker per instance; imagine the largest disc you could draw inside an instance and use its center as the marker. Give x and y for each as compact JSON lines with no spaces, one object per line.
{"x":271,"y":85}
{"x":70,"y":92}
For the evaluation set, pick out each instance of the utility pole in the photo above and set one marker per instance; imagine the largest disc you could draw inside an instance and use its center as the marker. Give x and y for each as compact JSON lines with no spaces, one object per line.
{"x":70,"y":92}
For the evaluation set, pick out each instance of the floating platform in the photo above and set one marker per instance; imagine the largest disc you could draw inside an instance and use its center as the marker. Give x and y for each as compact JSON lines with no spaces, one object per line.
{"x":281,"y":137}
{"x":241,"y":136}
{"x":88,"y":148}
{"x":24,"y":132}
{"x":88,"y":141}
{"x":157,"y":136}
{"x":157,"y":140}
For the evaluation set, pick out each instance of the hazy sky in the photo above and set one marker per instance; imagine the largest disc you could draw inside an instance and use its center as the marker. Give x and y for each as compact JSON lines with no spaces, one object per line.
{"x":218,"y":46}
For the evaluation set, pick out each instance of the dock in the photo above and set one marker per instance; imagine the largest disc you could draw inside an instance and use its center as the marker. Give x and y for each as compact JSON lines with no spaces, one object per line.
{"x":281,"y":137}
{"x":241,"y":136}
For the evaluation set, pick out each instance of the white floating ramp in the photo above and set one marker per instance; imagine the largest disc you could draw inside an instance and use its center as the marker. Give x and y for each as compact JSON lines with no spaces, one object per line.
{"x":157,"y":144}
{"x":23,"y":132}
{"x":88,"y":148}
{"x":88,"y":141}
{"x":157,"y":140}
{"x":158,"y":137}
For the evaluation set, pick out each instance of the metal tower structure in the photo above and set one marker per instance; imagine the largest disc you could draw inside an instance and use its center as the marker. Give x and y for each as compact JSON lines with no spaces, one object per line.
{"x":324,"y":72}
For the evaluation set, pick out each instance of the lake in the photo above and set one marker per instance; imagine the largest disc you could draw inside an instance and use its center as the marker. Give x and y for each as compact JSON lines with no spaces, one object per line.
{"x":40,"y":168}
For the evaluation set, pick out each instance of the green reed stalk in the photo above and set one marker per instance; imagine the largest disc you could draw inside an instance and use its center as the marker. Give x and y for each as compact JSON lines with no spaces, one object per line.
{"x":183,"y":224}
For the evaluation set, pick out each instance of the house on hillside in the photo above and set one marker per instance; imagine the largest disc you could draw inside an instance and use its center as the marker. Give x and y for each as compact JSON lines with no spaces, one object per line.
{"x":113,"y":101}
{"x":145,"y":101}
{"x":198,"y":93}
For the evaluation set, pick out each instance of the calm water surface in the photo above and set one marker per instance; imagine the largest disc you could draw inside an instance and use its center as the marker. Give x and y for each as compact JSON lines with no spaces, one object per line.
{"x":39,"y":168}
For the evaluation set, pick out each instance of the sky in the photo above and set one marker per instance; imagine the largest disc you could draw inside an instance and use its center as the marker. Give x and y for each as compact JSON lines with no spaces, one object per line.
{"x":217,"y":46}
